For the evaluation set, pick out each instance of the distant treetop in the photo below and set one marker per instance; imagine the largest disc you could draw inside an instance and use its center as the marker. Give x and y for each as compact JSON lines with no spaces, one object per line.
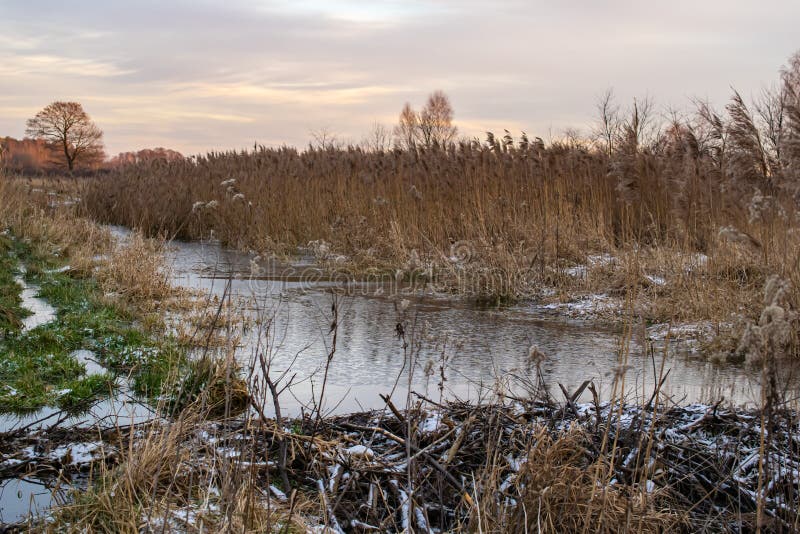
{"x":67,"y":126}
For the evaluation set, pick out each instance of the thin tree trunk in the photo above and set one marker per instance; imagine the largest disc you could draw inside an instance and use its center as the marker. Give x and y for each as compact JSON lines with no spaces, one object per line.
{"x":66,"y":155}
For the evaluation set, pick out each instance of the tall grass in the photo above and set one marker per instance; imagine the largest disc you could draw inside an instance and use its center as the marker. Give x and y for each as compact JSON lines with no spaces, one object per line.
{"x":504,"y":217}
{"x":558,"y":201}
{"x":670,"y":182}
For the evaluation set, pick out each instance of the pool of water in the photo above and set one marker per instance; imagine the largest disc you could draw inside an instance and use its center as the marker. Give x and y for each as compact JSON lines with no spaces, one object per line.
{"x":22,"y":498}
{"x":476,"y":347}
{"x":120,"y":410}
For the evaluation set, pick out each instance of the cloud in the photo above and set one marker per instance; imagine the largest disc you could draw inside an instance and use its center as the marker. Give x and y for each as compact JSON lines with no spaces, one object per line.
{"x":14,"y":43}
{"x":137,"y":114}
{"x":291,"y":94}
{"x":384,"y":13}
{"x":55,"y":67}
{"x":197,"y":74}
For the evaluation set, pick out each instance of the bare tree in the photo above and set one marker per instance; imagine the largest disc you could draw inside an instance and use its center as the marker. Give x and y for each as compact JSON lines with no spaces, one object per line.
{"x":608,"y":127}
{"x":406,"y":130}
{"x":436,"y":121}
{"x":325,"y":139}
{"x":378,"y":139}
{"x":67,"y":126}
{"x":790,"y":139}
{"x":771,"y":109}
{"x":573,"y":138}
{"x":433,"y":126}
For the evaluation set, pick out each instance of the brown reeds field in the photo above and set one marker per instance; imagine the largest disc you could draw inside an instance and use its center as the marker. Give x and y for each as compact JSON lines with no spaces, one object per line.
{"x":141,"y":392}
{"x":697,"y":211}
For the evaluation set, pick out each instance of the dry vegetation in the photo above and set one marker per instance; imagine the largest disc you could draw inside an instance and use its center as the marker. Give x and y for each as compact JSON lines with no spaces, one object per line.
{"x":43,"y":213}
{"x":34,"y":216}
{"x":696,"y":212}
{"x":513,"y":466}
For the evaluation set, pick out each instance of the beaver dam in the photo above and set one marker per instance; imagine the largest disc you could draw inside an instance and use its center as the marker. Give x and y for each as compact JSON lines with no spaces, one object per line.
{"x":514,"y":466}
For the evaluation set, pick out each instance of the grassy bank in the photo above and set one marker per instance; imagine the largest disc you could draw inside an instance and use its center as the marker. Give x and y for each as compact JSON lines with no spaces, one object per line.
{"x":40,"y":367}
{"x":105,"y":311}
{"x":11,"y":310}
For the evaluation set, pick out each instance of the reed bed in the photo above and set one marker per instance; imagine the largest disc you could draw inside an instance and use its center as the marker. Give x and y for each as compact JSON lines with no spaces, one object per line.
{"x":46,"y":215}
{"x":497,"y":226}
{"x":704,"y":204}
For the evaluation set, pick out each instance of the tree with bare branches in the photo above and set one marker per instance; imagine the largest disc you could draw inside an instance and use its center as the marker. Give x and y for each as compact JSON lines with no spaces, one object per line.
{"x":609,"y":122}
{"x":67,"y":126}
{"x":770,"y":107}
{"x":790,"y":138}
{"x":436,"y":121}
{"x":379,"y":138}
{"x":325,"y":139}
{"x":433,"y":126}
{"x":405,"y":132}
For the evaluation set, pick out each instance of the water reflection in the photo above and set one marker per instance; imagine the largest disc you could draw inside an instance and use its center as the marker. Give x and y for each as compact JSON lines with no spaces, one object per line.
{"x":476,"y":346}
{"x":24,"y":497}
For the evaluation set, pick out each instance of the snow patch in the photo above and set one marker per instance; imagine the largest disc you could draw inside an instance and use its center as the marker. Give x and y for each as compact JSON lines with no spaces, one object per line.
{"x":431,"y":423}
{"x":281,"y":496}
{"x":77,"y":454}
{"x":578,"y":271}
{"x":656,"y":280}
{"x":585,"y":306}
{"x":41,"y":312}
{"x":687,"y":334}
{"x":89,"y":361}
{"x":360,"y":450}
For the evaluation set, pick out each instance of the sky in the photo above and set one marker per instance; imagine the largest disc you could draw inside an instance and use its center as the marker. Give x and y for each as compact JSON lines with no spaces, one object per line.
{"x":199,"y":75}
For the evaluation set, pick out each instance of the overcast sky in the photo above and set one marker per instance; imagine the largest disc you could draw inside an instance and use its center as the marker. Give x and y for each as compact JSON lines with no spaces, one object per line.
{"x":196,"y":75}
